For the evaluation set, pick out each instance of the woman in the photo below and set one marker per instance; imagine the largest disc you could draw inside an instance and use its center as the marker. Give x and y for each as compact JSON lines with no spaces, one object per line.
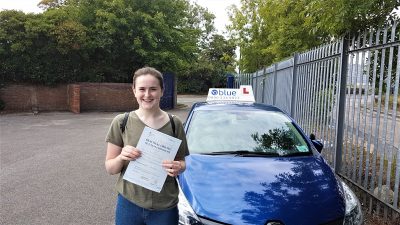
{"x":136,"y":204}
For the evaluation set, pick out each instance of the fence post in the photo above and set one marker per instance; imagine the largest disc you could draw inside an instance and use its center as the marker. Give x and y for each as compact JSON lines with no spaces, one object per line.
{"x":275,"y":82}
{"x":255,"y":84}
{"x":342,"y":103}
{"x":294,"y":86}
{"x":230,"y":80}
{"x":263,"y":84}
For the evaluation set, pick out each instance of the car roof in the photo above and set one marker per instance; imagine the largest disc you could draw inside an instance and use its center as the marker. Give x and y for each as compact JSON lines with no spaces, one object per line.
{"x":235,"y":106}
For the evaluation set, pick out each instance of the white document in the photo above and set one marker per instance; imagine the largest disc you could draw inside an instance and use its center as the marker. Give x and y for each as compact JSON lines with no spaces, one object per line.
{"x":147,"y":170}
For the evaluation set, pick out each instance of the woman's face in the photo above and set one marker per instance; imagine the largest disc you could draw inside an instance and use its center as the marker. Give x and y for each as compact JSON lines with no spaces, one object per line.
{"x":148,"y":92}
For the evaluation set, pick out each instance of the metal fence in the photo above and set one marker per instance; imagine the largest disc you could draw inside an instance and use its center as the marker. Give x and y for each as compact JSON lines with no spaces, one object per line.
{"x":347,"y":93}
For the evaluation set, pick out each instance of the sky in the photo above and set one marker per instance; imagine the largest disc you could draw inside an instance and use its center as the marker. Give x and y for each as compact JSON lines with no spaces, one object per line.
{"x":217,"y":7}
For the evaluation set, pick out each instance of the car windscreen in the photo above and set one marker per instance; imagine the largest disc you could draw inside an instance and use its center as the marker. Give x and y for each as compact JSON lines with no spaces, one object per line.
{"x":261,"y":132}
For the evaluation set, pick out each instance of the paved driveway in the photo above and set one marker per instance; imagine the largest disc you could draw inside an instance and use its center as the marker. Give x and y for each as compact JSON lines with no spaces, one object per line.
{"x":52,"y":167}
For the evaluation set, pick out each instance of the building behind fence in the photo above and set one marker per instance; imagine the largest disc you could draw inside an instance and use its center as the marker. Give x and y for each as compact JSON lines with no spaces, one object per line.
{"x":347,"y":93}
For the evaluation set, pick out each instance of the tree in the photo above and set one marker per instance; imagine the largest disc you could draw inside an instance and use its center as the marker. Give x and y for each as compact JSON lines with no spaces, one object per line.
{"x":216,"y":59}
{"x":126,"y":35}
{"x":105,"y":41}
{"x":249,"y":30}
{"x":24,"y":45}
{"x":98,"y":40}
{"x":269,"y":30}
{"x":340,"y":17}
{"x":50,"y":4}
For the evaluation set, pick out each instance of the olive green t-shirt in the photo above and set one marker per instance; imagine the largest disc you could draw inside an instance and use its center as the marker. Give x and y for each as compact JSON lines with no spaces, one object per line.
{"x":143,"y":197}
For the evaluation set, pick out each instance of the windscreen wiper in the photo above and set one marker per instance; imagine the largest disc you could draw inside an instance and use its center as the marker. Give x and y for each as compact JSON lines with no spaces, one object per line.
{"x":244,"y":153}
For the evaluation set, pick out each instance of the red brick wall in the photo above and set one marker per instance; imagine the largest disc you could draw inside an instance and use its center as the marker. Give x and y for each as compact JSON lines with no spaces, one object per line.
{"x":16,"y":97}
{"x":20,"y":97}
{"x":74,"y":97}
{"x":52,"y":98}
{"x":107,"y":97}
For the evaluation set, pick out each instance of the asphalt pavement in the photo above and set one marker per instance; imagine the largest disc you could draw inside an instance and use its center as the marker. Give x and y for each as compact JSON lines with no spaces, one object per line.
{"x":52,"y":167}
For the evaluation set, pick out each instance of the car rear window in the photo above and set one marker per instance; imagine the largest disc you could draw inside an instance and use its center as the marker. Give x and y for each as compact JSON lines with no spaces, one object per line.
{"x":256,"y":131}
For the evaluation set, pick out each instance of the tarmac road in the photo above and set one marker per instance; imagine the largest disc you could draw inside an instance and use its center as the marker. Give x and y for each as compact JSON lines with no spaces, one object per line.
{"x":52,"y":167}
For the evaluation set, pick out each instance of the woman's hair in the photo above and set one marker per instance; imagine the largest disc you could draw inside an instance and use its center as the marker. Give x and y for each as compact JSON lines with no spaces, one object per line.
{"x":149,"y":71}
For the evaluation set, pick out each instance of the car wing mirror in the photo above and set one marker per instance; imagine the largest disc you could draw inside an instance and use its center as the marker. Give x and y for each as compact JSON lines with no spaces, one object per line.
{"x":317,"y":144}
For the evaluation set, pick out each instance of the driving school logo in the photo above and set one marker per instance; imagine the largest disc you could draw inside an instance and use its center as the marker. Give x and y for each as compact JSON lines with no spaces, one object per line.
{"x":224,"y":92}
{"x":244,"y":94}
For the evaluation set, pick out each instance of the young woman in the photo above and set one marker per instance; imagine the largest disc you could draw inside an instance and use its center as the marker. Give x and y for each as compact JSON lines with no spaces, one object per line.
{"x":136,"y":204}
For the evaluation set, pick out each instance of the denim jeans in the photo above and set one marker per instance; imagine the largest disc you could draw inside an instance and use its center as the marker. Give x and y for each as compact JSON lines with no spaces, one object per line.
{"x":128,"y":213}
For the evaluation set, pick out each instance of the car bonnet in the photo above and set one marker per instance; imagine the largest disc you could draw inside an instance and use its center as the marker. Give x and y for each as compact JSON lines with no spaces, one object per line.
{"x":253,"y":190}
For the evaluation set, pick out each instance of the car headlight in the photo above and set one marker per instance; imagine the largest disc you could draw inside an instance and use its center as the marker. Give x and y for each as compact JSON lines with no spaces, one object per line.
{"x":353,"y":214}
{"x":186,"y":214}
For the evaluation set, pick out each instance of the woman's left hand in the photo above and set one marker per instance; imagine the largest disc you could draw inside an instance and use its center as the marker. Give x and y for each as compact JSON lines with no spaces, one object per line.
{"x":173,"y":168}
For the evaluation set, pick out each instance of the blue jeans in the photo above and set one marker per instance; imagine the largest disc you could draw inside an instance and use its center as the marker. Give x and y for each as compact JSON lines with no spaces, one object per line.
{"x":128,"y":213}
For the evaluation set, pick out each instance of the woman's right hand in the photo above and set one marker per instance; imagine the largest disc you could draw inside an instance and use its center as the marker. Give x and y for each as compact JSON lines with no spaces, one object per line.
{"x":129,"y":153}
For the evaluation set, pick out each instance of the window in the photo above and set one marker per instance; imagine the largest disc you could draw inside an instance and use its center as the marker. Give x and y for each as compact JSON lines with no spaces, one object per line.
{"x":255,"y":131}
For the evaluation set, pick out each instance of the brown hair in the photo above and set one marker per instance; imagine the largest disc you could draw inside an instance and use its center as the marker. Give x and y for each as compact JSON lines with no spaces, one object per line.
{"x":149,"y":71}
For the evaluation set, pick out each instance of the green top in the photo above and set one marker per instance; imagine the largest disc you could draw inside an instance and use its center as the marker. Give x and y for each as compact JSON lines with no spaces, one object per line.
{"x":143,"y":197}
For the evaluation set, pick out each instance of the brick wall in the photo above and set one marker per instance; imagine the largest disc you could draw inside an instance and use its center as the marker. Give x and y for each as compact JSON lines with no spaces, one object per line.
{"x":74,"y":97}
{"x":19,"y":97}
{"x":51,"y":98}
{"x":107,"y":97}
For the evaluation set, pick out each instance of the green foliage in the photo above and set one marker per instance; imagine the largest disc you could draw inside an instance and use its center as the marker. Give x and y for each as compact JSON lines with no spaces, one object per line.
{"x":50,"y":4}
{"x":105,"y":41}
{"x":215,"y":60}
{"x":268,"y":31}
{"x":341,"y":17}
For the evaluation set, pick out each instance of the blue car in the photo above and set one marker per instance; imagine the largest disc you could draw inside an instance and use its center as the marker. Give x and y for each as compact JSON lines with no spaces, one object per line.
{"x":250,"y":163}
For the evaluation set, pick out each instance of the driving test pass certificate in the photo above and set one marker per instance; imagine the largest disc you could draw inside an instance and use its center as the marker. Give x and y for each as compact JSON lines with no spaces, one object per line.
{"x":147,"y":170}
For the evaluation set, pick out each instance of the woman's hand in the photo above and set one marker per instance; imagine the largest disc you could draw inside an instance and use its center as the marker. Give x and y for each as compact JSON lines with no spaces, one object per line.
{"x":173,"y":168}
{"x":117,"y":156}
{"x":129,"y":153}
